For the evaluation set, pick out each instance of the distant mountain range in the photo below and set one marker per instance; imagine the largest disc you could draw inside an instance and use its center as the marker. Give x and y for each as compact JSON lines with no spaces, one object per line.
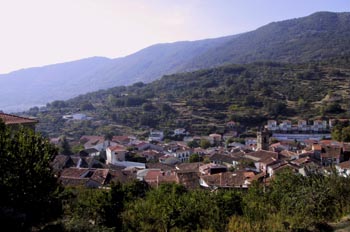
{"x":318,"y":36}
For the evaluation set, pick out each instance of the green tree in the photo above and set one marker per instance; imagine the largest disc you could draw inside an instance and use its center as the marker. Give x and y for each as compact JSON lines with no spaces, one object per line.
{"x":195,"y":158}
{"x":171,"y":208}
{"x":28,"y":187}
{"x":346,"y":134}
{"x":204,"y":144}
{"x":86,"y":106}
{"x":193,"y":144}
{"x":64,"y":147}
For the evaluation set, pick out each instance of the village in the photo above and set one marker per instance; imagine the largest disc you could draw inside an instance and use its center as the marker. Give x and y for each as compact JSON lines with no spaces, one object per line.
{"x":211,"y":162}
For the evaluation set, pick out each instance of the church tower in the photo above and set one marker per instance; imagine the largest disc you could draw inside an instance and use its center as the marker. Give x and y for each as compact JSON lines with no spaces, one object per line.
{"x":263,"y":138}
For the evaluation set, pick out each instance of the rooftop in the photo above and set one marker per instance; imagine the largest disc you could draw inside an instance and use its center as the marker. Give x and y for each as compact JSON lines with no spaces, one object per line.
{"x":9,"y":119}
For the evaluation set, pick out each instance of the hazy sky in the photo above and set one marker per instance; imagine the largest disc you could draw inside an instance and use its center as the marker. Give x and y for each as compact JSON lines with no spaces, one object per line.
{"x":40,"y":32}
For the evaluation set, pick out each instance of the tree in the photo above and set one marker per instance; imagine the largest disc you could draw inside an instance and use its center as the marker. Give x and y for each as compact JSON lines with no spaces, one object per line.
{"x":195,"y":158}
{"x":171,"y":208}
{"x":334,"y":108}
{"x":193,"y":144}
{"x":28,"y":187}
{"x":87,"y":106}
{"x":204,"y":144}
{"x":64,"y":146}
{"x":346,"y":134}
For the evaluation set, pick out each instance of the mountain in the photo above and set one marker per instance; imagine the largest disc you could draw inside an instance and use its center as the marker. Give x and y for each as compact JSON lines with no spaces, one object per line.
{"x":319,"y":36}
{"x":315,"y":37}
{"x":37,"y":86}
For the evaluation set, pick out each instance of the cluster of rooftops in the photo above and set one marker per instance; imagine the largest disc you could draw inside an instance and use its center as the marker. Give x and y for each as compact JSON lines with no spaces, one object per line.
{"x":233,"y":165}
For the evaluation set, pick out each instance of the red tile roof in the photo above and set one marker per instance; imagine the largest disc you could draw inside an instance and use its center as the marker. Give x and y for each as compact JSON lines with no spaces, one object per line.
{"x":345,"y":165}
{"x":9,"y":119}
{"x":117,"y":148}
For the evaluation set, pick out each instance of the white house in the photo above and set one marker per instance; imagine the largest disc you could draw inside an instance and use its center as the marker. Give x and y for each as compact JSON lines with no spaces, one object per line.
{"x":180,"y":131}
{"x":319,"y":125}
{"x":115,"y":154}
{"x":97,"y":142}
{"x":272,"y":125}
{"x":302,"y":125}
{"x":156,"y":136}
{"x":182,"y":155}
{"x":285,"y":125}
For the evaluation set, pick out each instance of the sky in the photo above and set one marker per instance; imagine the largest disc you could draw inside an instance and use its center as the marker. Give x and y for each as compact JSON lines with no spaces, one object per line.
{"x":41,"y":32}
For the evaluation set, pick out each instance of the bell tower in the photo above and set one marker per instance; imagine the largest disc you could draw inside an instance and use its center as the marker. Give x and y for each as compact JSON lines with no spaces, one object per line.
{"x":263,"y":138}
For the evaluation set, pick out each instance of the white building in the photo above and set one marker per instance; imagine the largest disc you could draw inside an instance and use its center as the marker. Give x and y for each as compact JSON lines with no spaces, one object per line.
{"x":115,"y":154}
{"x":272,"y":125}
{"x":285,"y":125}
{"x":156,"y":136}
{"x":302,"y":125}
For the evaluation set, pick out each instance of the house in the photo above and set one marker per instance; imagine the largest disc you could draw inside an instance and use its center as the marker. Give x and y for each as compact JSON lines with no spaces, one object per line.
{"x":156,"y":177}
{"x":89,"y":152}
{"x":81,"y":177}
{"x":77,"y":116}
{"x":281,"y":166}
{"x":92,"y":178}
{"x":209,"y":169}
{"x":200,"y":151}
{"x":317,"y":149}
{"x":285,"y":125}
{"x":169,"y":160}
{"x":86,"y":162}
{"x":151,"y":155}
{"x":302,"y":126}
{"x":343,"y":168}
{"x":141,"y":145}
{"x":308,"y":166}
{"x":346,"y":151}
{"x":272,"y":125}
{"x":160,"y":166}
{"x":140,"y":175}
{"x":215,"y":138}
{"x":188,"y":178}
{"x":179,"y":150}
{"x":156,"y":136}
{"x":251,"y":142}
{"x":193,"y":167}
{"x":319,"y":126}
{"x":239,"y":180}
{"x":123,"y":140}
{"x":288,"y":155}
{"x":115,"y":153}
{"x":130,"y":165}
{"x":224,"y":160}
{"x":180,"y":131}
{"x":97,"y":142}
{"x":331,"y":155}
{"x":61,"y":162}
{"x":15,"y":122}
{"x":182,"y":154}
{"x":262,"y":159}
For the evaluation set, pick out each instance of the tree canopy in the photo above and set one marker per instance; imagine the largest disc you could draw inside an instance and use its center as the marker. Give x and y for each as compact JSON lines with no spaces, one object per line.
{"x":28,"y":187}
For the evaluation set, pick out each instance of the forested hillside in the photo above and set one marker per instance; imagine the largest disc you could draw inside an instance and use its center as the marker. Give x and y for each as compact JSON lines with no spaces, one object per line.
{"x":319,"y":36}
{"x":203,"y":101}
